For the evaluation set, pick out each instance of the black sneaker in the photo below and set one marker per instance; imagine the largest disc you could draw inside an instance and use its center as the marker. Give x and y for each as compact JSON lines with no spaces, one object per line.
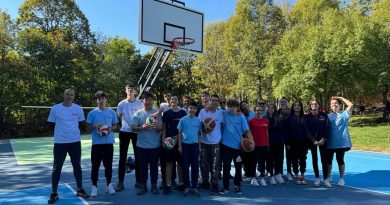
{"x":214,"y":190}
{"x":119,"y":187}
{"x":223,"y":191}
{"x":53,"y":198}
{"x":162,"y":185}
{"x":142,"y":190}
{"x":195,"y":191}
{"x":154,"y":189}
{"x":137,"y":185}
{"x":180,"y":187}
{"x":204,"y":185}
{"x":81,"y":193}
{"x":167,"y":190}
{"x":174,"y":184}
{"x":238,"y":190}
{"x":186,"y":191}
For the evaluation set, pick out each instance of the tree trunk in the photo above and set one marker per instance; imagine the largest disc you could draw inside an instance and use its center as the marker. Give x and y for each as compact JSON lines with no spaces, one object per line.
{"x":384,"y":95}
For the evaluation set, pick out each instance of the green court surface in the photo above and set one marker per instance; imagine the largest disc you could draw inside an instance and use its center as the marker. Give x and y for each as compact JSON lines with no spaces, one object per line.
{"x":39,"y":150}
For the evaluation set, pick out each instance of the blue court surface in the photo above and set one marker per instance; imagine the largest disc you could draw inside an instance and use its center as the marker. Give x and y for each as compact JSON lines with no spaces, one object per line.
{"x":367,"y":182}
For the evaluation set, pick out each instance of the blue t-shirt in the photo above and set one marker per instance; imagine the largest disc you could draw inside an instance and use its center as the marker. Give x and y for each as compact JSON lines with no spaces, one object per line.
{"x":250,"y":116}
{"x":106,"y":117}
{"x":171,"y":120}
{"x":66,"y":121}
{"x":339,"y":135}
{"x":147,"y":139}
{"x":233,"y":128}
{"x":189,"y":127}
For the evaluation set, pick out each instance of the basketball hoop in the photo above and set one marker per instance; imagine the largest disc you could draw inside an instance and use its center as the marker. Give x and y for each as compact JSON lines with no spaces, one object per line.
{"x":180,"y":42}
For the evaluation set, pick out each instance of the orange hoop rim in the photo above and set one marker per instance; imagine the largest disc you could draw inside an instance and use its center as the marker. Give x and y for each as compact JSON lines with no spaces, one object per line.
{"x":181,"y":41}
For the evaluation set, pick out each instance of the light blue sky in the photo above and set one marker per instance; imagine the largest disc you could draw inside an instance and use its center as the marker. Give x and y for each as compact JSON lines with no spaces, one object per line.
{"x":120,"y":17}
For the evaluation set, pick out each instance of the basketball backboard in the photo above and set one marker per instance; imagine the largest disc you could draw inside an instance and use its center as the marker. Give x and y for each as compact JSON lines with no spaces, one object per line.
{"x":161,"y":21}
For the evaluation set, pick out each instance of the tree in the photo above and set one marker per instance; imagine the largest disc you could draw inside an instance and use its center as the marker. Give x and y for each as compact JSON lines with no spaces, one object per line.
{"x":56,"y":41}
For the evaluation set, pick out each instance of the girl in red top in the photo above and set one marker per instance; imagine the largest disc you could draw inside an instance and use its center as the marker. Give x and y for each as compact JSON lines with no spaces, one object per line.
{"x":259,"y":129}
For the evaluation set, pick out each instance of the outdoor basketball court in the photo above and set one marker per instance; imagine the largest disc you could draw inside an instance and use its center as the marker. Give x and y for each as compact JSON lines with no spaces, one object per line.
{"x":28,"y":181}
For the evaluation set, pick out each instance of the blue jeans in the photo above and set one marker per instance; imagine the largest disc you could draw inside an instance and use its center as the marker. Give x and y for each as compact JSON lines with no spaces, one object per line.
{"x":190,"y":156}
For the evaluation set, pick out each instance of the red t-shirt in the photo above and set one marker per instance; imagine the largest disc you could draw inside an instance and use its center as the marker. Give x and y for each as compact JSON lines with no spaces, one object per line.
{"x":259,"y":130}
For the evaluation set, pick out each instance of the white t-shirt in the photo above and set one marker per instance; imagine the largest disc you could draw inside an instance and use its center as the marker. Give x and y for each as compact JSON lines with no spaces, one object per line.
{"x":127,"y":109}
{"x":213,"y":137}
{"x":66,"y":121}
{"x":164,"y":106}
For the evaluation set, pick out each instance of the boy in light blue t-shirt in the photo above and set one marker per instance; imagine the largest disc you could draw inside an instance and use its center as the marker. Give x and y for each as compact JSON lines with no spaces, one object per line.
{"x":188,"y":140}
{"x":235,"y":125}
{"x":101,"y":121}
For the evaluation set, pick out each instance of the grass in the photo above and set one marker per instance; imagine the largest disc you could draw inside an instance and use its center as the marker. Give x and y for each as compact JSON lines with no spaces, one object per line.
{"x":371,"y":138}
{"x":40,"y":149}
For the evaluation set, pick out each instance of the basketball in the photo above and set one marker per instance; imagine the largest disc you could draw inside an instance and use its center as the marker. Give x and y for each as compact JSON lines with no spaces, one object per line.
{"x":103,"y":130}
{"x":246,"y":145}
{"x":151,"y":120}
{"x":209,"y":124}
{"x":169,"y":143}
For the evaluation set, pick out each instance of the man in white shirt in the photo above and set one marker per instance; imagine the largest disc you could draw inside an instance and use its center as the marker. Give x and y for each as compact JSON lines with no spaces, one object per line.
{"x":126,"y":110}
{"x":65,"y":118}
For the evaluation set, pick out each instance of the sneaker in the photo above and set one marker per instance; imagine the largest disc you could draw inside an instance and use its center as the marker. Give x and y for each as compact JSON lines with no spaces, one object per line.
{"x":167,"y":190}
{"x":263,"y":182}
{"x":94,"y":191}
{"x":279,"y":179}
{"x":297,"y":180}
{"x":53,"y":198}
{"x":246,"y":179}
{"x":214,"y":190}
{"x":174,"y":184}
{"x":317,"y":182}
{"x":186,"y":191}
{"x":341,"y":182}
{"x":81,"y":193}
{"x":154,"y":189}
{"x":195,"y":191}
{"x":272,"y":181}
{"x":238,"y":189}
{"x":162,"y":185}
{"x":303,"y":181}
{"x":204,"y":185}
{"x":327,"y":183}
{"x":223,"y":191}
{"x":180,"y":187}
{"x":289,"y":177}
{"x":110,"y":189}
{"x":137,"y":185}
{"x":254,"y":182}
{"x":142,"y":190}
{"x":119,"y":187}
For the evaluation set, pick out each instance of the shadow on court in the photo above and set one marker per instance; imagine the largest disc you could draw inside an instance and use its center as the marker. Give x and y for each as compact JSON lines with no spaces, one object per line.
{"x":18,"y":180}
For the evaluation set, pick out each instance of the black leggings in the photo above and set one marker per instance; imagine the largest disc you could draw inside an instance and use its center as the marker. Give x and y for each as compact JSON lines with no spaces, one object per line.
{"x":340,"y":152}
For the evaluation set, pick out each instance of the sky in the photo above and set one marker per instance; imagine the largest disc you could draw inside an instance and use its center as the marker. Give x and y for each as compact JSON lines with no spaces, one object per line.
{"x":120,"y":17}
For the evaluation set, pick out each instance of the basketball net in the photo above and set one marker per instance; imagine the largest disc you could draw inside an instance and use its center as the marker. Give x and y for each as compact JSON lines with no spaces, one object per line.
{"x":178,"y":45}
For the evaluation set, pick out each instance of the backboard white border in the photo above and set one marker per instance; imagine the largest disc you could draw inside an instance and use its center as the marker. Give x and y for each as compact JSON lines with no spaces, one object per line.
{"x":167,"y":44}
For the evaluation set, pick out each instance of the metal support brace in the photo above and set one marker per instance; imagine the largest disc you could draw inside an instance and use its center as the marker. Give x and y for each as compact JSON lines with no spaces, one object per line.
{"x":152,"y":70}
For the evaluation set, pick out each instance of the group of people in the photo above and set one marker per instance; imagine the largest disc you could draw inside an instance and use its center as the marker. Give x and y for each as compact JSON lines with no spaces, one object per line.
{"x":273,"y":132}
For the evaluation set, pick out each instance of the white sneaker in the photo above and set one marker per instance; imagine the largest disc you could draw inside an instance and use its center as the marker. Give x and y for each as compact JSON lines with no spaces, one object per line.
{"x":279,"y":179}
{"x":272,"y":181}
{"x":94,"y":191}
{"x":263,"y":182}
{"x":289,"y":177}
{"x":254,"y":182}
{"x":317,"y":182}
{"x":327,"y":183}
{"x":110,"y":189}
{"x":341,"y":182}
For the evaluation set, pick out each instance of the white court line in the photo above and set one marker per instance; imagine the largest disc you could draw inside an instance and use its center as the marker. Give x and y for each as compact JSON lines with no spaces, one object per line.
{"x":384,"y":153}
{"x":74,"y":192}
{"x":334,"y":184}
{"x":369,"y":158}
{"x":13,"y":151}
